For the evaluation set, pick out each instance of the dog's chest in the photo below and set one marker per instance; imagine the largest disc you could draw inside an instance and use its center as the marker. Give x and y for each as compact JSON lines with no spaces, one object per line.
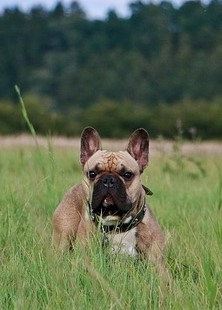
{"x":123,"y":242}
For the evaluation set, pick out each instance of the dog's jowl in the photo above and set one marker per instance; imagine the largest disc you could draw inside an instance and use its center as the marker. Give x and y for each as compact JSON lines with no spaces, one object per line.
{"x":110,"y":198}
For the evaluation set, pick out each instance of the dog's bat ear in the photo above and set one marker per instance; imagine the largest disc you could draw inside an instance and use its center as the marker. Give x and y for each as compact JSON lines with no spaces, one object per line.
{"x":90,"y":143}
{"x":138,"y":147}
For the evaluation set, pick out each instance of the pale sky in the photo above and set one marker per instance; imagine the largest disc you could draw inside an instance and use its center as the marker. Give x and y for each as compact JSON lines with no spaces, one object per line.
{"x":93,"y":8}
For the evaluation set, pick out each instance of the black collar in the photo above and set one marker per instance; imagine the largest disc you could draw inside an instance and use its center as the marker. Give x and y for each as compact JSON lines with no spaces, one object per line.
{"x":120,"y":227}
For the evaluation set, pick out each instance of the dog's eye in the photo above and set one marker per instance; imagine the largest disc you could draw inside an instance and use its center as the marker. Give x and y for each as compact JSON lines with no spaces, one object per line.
{"x":128,"y":175}
{"x":92,"y":174}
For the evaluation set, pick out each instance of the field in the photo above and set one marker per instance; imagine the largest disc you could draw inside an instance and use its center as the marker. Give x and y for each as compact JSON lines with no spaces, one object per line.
{"x":187,"y":200}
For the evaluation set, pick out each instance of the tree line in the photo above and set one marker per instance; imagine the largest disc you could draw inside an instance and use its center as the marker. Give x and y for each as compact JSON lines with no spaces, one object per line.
{"x":159,"y":58}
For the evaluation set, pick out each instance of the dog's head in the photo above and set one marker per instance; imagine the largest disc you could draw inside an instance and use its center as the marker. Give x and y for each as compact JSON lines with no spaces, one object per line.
{"x":112,"y":179}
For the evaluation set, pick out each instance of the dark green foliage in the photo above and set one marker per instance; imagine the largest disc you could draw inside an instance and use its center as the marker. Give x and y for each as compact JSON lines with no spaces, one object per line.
{"x":198,"y":119}
{"x":157,"y":56}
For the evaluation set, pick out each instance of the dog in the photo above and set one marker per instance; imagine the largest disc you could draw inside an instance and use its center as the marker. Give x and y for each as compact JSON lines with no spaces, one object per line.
{"x":111,"y":198}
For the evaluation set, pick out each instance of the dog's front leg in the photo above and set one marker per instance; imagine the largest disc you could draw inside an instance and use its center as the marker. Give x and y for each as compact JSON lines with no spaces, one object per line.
{"x":68,"y":218}
{"x":151,"y":241}
{"x":64,"y":230}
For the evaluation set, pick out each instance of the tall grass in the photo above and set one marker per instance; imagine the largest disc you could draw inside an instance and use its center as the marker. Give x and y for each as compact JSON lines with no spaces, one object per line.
{"x":186,"y":201}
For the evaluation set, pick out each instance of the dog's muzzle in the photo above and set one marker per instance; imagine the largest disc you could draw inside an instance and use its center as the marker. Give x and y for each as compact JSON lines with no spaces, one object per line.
{"x":110,"y":208}
{"x":109,"y":196}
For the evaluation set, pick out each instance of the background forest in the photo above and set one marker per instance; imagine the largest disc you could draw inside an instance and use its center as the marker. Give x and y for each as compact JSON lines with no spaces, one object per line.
{"x":159,"y":68}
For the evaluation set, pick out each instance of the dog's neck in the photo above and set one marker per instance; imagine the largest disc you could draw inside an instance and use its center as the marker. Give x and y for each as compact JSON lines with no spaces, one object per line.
{"x":120,"y":236}
{"x":128,"y":222}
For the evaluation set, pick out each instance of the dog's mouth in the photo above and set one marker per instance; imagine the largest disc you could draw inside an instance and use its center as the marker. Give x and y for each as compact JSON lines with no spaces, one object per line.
{"x":108,"y":201}
{"x":108,"y":207}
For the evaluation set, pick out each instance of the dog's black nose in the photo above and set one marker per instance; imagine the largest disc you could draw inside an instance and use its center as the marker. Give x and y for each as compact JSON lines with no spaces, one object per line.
{"x":108,"y":181}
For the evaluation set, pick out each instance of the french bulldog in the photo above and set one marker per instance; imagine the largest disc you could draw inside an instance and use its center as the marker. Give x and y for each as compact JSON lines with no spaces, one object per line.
{"x":111,"y":198}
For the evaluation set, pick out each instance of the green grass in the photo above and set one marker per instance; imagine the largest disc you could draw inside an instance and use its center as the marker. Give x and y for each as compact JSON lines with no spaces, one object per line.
{"x":187,"y":202}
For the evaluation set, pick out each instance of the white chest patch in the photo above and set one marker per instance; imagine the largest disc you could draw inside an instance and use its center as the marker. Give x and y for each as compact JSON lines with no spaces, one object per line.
{"x":123,"y":242}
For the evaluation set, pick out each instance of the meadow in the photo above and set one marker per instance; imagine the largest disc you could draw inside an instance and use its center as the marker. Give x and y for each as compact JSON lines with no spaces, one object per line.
{"x":187,"y":201}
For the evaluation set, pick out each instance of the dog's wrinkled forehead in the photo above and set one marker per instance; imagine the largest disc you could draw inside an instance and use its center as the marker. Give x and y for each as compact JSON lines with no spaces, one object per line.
{"x":111,"y":161}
